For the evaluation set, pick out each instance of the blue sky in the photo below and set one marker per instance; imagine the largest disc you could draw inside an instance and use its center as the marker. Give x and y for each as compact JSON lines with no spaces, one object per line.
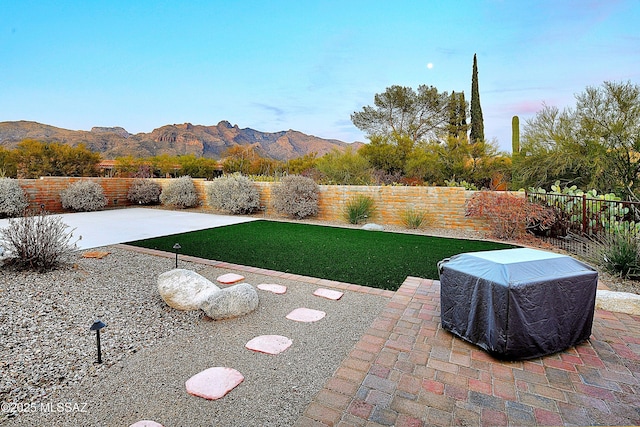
{"x":301,"y":64}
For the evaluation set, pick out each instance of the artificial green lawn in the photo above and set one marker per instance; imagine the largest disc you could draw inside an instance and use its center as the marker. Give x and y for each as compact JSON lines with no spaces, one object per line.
{"x":369,"y":258}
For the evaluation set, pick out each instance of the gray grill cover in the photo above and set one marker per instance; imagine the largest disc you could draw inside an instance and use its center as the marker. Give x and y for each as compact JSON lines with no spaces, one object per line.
{"x":518,"y":303}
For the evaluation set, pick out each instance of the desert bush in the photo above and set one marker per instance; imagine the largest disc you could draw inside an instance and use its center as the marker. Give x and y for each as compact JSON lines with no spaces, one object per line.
{"x":617,"y":253}
{"x":180,"y":193}
{"x":83,"y":196}
{"x":37,"y":242}
{"x":144,"y":192}
{"x":359,"y":209}
{"x":510,"y":216}
{"x":13,"y":200}
{"x":233,"y":193}
{"x":414,"y":218}
{"x":296,"y":196}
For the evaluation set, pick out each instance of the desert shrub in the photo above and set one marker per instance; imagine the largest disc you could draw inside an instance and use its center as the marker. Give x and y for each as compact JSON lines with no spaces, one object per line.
{"x":83,"y":196}
{"x":359,"y":209}
{"x":414,"y":218}
{"x":296,"y":196}
{"x":13,"y":200}
{"x":180,"y":193}
{"x":144,"y":192}
{"x":617,"y":253}
{"x":510,"y":216}
{"x":233,"y":193}
{"x":37,"y":242}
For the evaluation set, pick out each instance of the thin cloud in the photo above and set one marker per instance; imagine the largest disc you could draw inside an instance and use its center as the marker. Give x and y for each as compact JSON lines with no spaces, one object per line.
{"x":277,"y":111}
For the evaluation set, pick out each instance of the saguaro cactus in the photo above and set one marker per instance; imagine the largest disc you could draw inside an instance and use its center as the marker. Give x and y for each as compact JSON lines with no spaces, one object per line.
{"x":515,"y":136}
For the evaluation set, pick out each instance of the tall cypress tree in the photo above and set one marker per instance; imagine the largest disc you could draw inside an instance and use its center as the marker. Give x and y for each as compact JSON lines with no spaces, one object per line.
{"x":457,"y":116}
{"x":477,"y":124}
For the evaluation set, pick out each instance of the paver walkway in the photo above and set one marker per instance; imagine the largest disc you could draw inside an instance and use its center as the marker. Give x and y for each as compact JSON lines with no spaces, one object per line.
{"x":407,"y":371}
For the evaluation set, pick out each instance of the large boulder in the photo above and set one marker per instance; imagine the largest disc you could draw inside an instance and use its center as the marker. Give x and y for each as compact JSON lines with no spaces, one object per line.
{"x":185,"y":289}
{"x":233,"y":301}
{"x":619,"y":302}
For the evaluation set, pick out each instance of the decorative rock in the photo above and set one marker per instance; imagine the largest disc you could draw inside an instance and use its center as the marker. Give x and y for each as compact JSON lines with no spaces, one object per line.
{"x":95,"y":254}
{"x":185,"y":289}
{"x":328,"y":293}
{"x":214,"y":383}
{"x":620,"y":302}
{"x":146,"y":423}
{"x":276,"y":289}
{"x":306,"y":315}
{"x":270,"y":344}
{"x":373,"y":227}
{"x":233,"y":301}
{"x":230,"y":278}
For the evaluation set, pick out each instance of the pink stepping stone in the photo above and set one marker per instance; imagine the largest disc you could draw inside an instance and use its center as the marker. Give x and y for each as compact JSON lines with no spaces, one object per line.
{"x":270,"y":344}
{"x":230,"y":278}
{"x":214,"y":383}
{"x":146,"y":423}
{"x":306,"y":315}
{"x":276,"y":289}
{"x":328,"y":293}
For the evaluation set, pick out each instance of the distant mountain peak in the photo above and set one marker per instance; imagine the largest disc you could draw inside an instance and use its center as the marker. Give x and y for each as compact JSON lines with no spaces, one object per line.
{"x":176,"y":139}
{"x":117,"y":130}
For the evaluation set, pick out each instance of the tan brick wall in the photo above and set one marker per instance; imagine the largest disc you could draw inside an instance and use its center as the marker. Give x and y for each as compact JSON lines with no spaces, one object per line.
{"x":445,"y":206}
{"x":45,"y":192}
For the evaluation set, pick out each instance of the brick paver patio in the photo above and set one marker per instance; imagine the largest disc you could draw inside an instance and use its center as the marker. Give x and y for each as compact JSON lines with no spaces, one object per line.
{"x":407,"y":371}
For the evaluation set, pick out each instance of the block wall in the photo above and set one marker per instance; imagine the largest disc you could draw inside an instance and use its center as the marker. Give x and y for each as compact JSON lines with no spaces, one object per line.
{"x":445,"y":206}
{"x":45,"y":192}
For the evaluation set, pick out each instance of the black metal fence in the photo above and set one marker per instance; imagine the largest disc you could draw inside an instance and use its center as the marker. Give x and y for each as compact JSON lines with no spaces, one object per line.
{"x":582,"y":221}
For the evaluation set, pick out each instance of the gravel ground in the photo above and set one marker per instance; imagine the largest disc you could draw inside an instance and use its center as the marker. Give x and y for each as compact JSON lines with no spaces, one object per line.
{"x":47,"y":353}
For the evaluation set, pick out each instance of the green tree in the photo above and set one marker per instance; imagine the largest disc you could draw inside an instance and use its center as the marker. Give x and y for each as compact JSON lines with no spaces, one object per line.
{"x":301,"y":165}
{"x":35,"y":159}
{"x":165,"y":165}
{"x":388,"y":154}
{"x":129,"y":166}
{"x":453,"y":158}
{"x":32,"y":159}
{"x":197,"y":167}
{"x":458,"y":127}
{"x":8,"y":163}
{"x":477,"y":123}
{"x":347,"y":168}
{"x":425,"y":163}
{"x":401,"y":111}
{"x":594,"y":145}
{"x":73,"y":161}
{"x":551,"y":151}
{"x":609,"y":119}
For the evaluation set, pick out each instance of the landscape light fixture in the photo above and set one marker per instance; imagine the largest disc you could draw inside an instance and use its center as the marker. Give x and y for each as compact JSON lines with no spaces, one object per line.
{"x":97,"y":325}
{"x":177,"y":247}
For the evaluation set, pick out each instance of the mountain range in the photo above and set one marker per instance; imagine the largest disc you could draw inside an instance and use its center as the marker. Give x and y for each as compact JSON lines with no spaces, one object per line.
{"x":176,"y":139}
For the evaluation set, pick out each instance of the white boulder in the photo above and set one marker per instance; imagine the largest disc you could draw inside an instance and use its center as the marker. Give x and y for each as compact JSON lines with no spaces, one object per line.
{"x":619,"y":302}
{"x":233,"y":301}
{"x":373,"y":227}
{"x":185,"y":289}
